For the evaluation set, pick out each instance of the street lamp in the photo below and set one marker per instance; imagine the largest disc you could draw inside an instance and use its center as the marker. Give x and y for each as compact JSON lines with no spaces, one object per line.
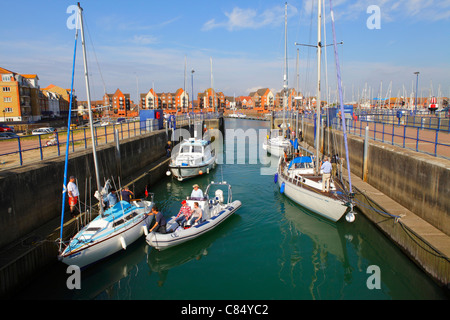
{"x":192,"y":72}
{"x":417,"y":87}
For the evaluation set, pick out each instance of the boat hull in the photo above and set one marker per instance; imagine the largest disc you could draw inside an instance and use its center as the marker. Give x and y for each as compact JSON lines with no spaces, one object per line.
{"x":275,"y":149}
{"x":186,"y":172}
{"x":168,"y":240}
{"x":113,"y":241}
{"x":321,"y":205}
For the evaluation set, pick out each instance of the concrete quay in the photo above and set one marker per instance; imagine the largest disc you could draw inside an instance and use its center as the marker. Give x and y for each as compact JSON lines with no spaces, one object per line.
{"x":30,"y":202}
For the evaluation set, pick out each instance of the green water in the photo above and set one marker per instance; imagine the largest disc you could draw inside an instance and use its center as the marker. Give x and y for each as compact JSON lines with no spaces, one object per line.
{"x":270,"y":249}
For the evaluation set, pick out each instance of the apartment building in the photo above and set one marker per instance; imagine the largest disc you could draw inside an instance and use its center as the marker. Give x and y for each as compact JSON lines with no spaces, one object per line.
{"x":149,"y":100}
{"x":119,"y":103}
{"x":19,"y":96}
{"x":64,"y":99}
{"x":292,"y":103}
{"x":211,"y":101}
{"x":263,"y":100}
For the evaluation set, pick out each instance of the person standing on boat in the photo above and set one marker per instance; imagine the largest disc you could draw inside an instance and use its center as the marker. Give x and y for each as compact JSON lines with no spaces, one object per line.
{"x":111,"y":199}
{"x":197,"y":193}
{"x":73,"y":192}
{"x":184,"y":214}
{"x":127,"y":194}
{"x":326,"y":174}
{"x":160,"y":221}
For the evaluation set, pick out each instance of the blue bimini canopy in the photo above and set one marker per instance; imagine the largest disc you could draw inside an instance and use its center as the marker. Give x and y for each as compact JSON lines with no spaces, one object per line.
{"x":304,"y":159}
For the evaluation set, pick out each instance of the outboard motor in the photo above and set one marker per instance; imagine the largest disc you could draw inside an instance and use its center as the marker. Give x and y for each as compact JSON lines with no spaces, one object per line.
{"x":219,"y":195}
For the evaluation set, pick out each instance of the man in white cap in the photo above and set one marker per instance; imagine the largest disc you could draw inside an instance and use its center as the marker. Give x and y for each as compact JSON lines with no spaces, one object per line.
{"x":197,"y":192}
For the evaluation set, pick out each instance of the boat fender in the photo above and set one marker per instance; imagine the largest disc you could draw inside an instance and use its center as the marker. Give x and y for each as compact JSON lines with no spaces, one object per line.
{"x":144,"y":228}
{"x":275,"y":178}
{"x":350,"y":217}
{"x":282,"y":188}
{"x":123,"y":243}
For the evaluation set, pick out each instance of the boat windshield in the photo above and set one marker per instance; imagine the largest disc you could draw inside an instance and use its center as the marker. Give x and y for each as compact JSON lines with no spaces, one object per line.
{"x":185,"y":149}
{"x":197,"y":149}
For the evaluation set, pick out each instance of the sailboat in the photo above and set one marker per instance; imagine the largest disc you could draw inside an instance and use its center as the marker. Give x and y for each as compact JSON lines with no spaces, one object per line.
{"x":300,"y":180}
{"x":113,"y":229}
{"x":277,"y":141}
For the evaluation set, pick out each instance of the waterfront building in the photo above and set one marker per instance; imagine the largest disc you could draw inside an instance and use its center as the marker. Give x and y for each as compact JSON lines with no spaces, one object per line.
{"x":263,"y":100}
{"x":211,"y":101}
{"x":245,"y":102}
{"x":119,"y":103}
{"x":292,"y":102}
{"x":63,"y":96}
{"x":149,"y":100}
{"x":19,"y":96}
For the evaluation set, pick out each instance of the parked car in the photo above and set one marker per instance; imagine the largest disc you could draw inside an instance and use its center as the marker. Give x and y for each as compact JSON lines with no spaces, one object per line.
{"x":43,"y":130}
{"x":8,"y":135}
{"x":5,"y":128}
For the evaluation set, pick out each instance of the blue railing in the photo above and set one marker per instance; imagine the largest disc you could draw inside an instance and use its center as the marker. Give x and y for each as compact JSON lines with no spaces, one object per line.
{"x":428,"y":134}
{"x":50,"y":145}
{"x":37,"y":148}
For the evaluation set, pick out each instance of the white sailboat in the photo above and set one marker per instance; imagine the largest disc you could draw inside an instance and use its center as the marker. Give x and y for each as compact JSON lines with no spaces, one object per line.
{"x":112,"y":230}
{"x":276,"y":142}
{"x":301,"y":181}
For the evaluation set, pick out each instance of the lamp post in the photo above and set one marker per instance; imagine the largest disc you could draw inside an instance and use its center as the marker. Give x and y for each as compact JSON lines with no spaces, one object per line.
{"x":192,"y":76}
{"x":4,"y":115}
{"x":417,"y":87}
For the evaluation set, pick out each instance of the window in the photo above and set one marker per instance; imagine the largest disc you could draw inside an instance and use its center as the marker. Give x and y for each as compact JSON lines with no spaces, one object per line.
{"x":7,"y":110}
{"x":6,"y":89}
{"x":7,"y":99}
{"x":6,"y":78}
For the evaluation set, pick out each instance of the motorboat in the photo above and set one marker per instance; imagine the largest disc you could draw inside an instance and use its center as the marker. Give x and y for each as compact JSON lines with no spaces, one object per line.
{"x":191,"y":158}
{"x":214,"y":212}
{"x":276,"y":143}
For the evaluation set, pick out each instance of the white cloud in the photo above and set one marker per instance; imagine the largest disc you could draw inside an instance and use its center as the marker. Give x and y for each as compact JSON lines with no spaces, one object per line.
{"x":391,"y":10}
{"x":250,"y":18}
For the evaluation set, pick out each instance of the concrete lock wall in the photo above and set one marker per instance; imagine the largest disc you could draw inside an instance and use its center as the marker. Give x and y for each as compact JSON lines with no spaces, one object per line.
{"x":32,"y":195}
{"x":419,"y":182}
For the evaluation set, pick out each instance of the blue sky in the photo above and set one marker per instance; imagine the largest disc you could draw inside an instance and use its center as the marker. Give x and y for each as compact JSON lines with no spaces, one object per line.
{"x":140,"y":44}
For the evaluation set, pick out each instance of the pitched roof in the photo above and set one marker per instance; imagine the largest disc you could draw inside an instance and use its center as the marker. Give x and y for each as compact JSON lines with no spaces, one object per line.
{"x":3,"y":70}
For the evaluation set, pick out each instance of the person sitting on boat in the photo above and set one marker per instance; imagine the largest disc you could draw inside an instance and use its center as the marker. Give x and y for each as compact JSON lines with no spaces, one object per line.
{"x":326,"y":174}
{"x":111,"y":199}
{"x":184,"y":214}
{"x":197,"y":193}
{"x":160,"y":221}
{"x":196,"y":216}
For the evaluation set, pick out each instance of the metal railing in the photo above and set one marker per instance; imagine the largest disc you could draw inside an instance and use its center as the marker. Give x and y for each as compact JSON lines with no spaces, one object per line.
{"x":428,"y":134}
{"x":26,"y":149}
{"x":31,"y":148}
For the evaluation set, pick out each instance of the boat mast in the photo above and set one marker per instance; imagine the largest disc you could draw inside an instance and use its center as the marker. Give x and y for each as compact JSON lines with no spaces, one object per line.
{"x":319,"y":52}
{"x":88,"y":94}
{"x":285,"y":78}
